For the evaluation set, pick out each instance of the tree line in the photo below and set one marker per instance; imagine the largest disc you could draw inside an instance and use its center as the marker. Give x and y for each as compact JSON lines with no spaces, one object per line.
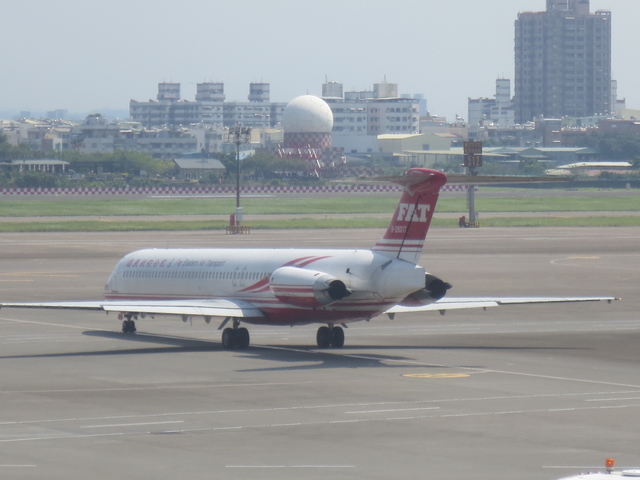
{"x":125,"y":168}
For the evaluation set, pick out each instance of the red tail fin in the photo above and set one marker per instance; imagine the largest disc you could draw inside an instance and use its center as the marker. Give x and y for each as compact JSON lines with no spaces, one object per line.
{"x":408,"y":229}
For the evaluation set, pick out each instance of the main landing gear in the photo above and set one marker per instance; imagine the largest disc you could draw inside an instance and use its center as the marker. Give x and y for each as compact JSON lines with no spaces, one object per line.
{"x":128,"y":325}
{"x":235,"y":338}
{"x":330,"y":336}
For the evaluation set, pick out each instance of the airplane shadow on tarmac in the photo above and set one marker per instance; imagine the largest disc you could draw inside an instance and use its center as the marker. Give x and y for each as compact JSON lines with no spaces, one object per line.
{"x":349,"y":357}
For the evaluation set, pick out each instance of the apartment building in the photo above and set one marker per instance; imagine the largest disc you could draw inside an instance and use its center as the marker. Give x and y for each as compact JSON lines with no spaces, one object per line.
{"x":562,"y":61}
{"x":376,"y":112}
{"x":209,"y":108}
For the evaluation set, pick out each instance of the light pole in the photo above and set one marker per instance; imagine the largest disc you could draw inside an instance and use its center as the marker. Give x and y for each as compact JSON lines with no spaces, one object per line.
{"x":238,"y":135}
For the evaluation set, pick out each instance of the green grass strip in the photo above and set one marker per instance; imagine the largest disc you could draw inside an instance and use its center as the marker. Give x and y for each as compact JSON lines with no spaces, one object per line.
{"x":594,"y":221}
{"x":554,"y":204}
{"x":277,"y":205}
{"x":194,"y":206}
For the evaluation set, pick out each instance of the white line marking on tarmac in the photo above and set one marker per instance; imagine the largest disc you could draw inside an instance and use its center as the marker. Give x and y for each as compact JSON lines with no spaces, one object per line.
{"x":176,"y":387}
{"x":131,"y":424}
{"x":393,"y":410}
{"x":290,"y":466}
{"x":15,"y":320}
{"x":575,"y":467}
{"x":418,"y":363}
{"x":310,"y":424}
{"x":611,"y":399}
{"x":209,"y":412}
{"x":564,"y":379}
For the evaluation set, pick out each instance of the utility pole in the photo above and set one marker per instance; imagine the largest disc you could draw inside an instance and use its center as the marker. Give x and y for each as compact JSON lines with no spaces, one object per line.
{"x":238,"y":135}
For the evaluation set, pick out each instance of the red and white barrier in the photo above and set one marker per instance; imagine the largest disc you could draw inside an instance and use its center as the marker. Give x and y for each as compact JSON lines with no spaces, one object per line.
{"x":213,"y":190}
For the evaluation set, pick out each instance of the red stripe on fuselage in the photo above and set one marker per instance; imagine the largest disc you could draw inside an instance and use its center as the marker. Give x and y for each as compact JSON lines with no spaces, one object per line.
{"x":280,"y":313}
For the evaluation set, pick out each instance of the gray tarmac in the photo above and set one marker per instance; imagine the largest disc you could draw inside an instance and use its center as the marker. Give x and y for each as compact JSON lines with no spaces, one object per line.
{"x":513,"y":392}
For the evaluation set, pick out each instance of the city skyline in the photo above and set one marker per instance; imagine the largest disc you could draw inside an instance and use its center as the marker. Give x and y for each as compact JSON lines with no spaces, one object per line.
{"x":86,"y":56}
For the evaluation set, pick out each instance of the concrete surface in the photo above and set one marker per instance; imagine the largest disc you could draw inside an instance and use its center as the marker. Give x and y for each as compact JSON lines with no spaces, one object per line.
{"x":502,"y":394}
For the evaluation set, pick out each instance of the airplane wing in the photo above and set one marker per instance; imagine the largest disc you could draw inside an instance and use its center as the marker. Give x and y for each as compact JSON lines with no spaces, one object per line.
{"x":241,"y":309}
{"x":206,"y":308}
{"x":485,"y":302}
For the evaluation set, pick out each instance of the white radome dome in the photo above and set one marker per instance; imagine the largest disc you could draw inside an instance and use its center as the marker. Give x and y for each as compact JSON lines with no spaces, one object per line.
{"x":307,"y":114}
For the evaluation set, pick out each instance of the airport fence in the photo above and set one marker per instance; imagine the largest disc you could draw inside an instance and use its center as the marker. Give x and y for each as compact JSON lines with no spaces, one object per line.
{"x":210,"y":190}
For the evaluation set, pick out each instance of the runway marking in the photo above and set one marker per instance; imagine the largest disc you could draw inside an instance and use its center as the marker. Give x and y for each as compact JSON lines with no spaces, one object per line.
{"x":212,"y":412}
{"x":558,"y":260}
{"x":436,"y":375}
{"x":308,"y":424}
{"x":592,"y":469}
{"x":290,"y":466}
{"x":327,"y":422}
{"x":418,"y":363}
{"x":18,"y":466}
{"x":610,"y":399}
{"x":393,"y":410}
{"x":565,"y":379}
{"x":131,"y":424}
{"x":48,"y":341}
{"x":178,"y":387}
{"x":15,"y":320}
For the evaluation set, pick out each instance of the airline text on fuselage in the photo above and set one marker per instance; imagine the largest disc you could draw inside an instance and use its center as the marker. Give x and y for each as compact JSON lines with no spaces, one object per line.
{"x":166,"y":263}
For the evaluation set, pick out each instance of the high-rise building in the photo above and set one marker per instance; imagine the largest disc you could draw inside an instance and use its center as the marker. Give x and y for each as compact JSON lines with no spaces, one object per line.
{"x":563,"y":61}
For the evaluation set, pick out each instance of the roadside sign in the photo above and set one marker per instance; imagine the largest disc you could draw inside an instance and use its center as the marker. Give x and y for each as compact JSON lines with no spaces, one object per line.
{"x":472,"y":154}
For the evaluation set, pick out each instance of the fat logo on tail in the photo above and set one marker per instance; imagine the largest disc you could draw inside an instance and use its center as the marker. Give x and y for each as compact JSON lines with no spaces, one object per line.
{"x":409,"y":225}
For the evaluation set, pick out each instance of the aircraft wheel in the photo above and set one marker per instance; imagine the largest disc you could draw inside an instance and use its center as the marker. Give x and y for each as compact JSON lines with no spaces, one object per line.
{"x":242,"y":338}
{"x":337,"y":337}
{"x":323,"y":337}
{"x":229,"y":338}
{"x":128,"y":326}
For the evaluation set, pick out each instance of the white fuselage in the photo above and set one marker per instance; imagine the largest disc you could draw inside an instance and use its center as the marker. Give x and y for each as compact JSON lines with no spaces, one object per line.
{"x":375,"y":281}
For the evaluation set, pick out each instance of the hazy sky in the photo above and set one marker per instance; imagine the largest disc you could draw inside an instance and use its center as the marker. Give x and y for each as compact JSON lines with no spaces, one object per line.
{"x":89,"y":55}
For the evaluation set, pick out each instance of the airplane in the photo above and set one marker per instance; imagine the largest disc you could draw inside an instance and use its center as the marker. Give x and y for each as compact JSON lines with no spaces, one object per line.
{"x":607,"y":474}
{"x":293,"y":286}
